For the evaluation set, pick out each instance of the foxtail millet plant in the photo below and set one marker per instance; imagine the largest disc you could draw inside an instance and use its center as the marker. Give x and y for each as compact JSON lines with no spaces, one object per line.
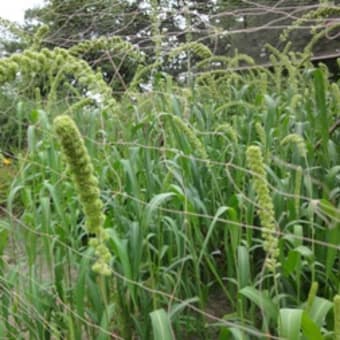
{"x":31,"y":63}
{"x":86,"y":185}
{"x":200,"y":50}
{"x":39,"y":37}
{"x":315,"y":17}
{"x":190,"y":134}
{"x":298,"y":140}
{"x":261,"y":133}
{"x":228,"y":130}
{"x":113,"y":43}
{"x":266,"y":209}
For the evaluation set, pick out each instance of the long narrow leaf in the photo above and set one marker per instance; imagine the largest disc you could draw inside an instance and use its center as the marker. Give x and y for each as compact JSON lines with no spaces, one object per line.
{"x":161,"y":325}
{"x":290,"y":323}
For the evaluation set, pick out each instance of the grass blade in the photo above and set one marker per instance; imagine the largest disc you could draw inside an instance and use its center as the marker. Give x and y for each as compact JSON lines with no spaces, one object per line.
{"x":161,"y":325}
{"x":290,"y":323}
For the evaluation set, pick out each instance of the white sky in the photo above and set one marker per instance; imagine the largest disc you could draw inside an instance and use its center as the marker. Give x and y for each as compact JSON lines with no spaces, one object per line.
{"x":14,"y":10}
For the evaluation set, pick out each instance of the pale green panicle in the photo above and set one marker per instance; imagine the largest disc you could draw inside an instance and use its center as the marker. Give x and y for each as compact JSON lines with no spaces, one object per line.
{"x":266,"y":209}
{"x":192,"y":138}
{"x":229,"y":130}
{"x":298,"y":140}
{"x":261,"y":133}
{"x":86,"y":184}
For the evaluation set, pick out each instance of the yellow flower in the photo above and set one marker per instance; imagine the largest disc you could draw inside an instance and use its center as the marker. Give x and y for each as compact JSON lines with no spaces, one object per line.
{"x":6,"y":161}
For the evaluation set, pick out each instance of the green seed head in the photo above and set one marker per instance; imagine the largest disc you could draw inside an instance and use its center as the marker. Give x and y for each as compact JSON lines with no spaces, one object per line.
{"x":86,"y":184}
{"x":298,"y":141}
{"x":266,"y":209}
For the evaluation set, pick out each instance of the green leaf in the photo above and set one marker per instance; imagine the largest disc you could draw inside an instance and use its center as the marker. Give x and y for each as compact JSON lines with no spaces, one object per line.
{"x":243,"y":266}
{"x":3,"y":236}
{"x":290,"y":323}
{"x":11,"y":198}
{"x":154,"y":205}
{"x":161,"y":325}
{"x":290,"y":262}
{"x":105,"y":322}
{"x":236,"y":333}
{"x":132,"y":185}
{"x":31,"y":140}
{"x":310,"y":329}
{"x":320,"y":98}
{"x":121,"y":250}
{"x":57,"y":202}
{"x":180,"y":306}
{"x":219,"y":213}
{"x":80,"y":286}
{"x":319,"y":310}
{"x":135,"y":248}
{"x":329,"y":210}
{"x":261,"y":300}
{"x":34,"y":116}
{"x":304,"y":251}
{"x":333,"y":237}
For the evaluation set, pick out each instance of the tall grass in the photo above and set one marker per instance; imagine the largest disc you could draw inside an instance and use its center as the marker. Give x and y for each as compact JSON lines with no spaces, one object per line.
{"x":183,"y":221}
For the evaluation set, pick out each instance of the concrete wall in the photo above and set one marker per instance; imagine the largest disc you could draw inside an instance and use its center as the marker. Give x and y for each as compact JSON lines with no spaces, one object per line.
{"x":252,"y":29}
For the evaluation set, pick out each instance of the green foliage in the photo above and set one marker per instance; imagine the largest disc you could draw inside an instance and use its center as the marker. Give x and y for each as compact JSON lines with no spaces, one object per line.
{"x":60,"y":63}
{"x":7,"y":174}
{"x":161,"y":325}
{"x":14,"y":29}
{"x":337,"y":317}
{"x":316,"y":16}
{"x":114,"y":43}
{"x":203,"y":188}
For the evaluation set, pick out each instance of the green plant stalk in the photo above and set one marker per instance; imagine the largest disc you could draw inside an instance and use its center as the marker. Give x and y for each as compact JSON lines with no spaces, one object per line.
{"x":297,"y":189}
{"x":311,"y":295}
{"x":337,"y":317}
{"x":86,"y":184}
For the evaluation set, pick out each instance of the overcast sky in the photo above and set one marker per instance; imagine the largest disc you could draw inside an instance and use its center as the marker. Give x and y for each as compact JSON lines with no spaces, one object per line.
{"x":14,"y":10}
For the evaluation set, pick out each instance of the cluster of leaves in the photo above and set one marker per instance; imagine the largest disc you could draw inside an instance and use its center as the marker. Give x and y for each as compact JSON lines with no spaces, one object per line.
{"x":181,"y":208}
{"x":223,"y":191}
